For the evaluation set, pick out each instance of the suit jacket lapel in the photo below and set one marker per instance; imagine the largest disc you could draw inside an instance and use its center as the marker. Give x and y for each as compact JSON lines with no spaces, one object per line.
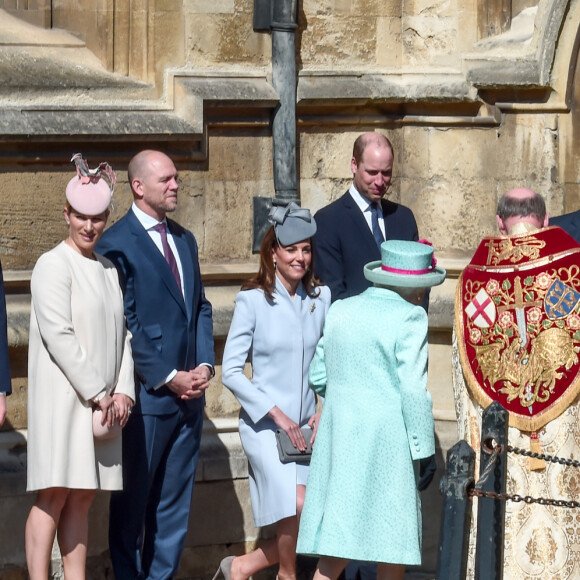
{"x":387,"y":217}
{"x":186,"y":266}
{"x":151,"y":252}
{"x":360,"y":226}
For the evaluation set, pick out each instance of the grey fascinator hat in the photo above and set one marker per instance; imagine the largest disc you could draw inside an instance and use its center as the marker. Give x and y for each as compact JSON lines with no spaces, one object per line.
{"x":292,"y":223}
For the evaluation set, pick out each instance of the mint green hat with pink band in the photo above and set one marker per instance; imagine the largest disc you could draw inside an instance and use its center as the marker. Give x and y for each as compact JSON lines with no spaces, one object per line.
{"x":405,"y":264}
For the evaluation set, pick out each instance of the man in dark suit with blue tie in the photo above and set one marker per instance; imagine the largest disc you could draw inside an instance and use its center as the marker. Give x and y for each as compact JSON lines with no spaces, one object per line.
{"x":172,"y":342}
{"x":5,"y":382}
{"x":351,"y":229}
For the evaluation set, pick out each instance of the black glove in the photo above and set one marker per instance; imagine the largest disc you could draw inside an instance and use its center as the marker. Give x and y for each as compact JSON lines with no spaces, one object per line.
{"x":427,"y":469}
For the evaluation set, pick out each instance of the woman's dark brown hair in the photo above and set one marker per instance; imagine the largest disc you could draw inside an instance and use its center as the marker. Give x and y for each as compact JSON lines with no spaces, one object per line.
{"x":266,"y":278}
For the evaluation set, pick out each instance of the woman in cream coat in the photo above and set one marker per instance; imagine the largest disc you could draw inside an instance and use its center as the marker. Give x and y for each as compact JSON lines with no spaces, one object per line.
{"x":79,"y":359}
{"x":277,"y":322}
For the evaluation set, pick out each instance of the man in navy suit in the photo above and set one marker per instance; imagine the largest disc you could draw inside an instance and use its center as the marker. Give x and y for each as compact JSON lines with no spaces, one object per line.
{"x":5,"y":383}
{"x":351,"y":228}
{"x":172,"y":342}
{"x":569,"y":222}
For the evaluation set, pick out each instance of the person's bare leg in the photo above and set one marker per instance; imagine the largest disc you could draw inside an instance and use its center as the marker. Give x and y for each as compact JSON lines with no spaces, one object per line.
{"x":300,"y":494}
{"x":268,"y":553}
{"x":73,"y":533}
{"x":286,"y":538}
{"x":41,"y":528}
{"x":329,"y":568}
{"x":390,"y":571}
{"x":248,"y":564}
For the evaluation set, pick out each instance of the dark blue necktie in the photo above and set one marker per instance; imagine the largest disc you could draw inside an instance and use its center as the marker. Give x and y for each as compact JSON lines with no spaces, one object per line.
{"x":377,"y":234}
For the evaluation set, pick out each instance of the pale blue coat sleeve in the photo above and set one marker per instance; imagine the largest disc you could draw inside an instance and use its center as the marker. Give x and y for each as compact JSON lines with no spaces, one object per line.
{"x":416,"y":403}
{"x":317,"y":371}
{"x":238,"y":345}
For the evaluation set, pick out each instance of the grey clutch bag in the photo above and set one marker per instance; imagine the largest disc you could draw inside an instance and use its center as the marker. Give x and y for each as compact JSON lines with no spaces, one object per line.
{"x":288,"y":453}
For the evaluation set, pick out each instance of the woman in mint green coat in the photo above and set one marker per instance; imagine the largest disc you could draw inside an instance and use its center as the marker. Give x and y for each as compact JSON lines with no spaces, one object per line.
{"x":361,"y":500}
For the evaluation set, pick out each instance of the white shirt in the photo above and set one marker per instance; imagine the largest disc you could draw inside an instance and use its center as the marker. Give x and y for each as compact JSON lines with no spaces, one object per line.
{"x":365,"y":206}
{"x":149,"y":224}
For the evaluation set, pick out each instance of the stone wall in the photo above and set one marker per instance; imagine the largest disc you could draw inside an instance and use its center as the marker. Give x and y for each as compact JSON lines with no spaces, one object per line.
{"x":470,"y":117}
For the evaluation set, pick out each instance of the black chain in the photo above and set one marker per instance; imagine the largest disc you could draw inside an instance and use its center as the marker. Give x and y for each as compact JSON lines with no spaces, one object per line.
{"x":551,"y":458}
{"x":477,"y":491}
{"x":527,"y":498}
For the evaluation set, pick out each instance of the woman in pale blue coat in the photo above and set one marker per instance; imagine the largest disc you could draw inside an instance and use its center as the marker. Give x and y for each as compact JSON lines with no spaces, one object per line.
{"x":362,"y":501}
{"x":277,"y":323}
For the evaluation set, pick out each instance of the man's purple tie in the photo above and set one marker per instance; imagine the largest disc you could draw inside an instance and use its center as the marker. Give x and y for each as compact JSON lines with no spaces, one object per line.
{"x":169,"y":256}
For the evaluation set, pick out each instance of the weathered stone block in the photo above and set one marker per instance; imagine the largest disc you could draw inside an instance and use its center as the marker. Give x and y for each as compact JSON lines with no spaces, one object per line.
{"x":353,"y":8}
{"x":389,"y":37}
{"x":440,"y":8}
{"x":169,"y":39}
{"x":169,"y":6}
{"x":459,"y":152}
{"x":569,"y":154}
{"x":310,"y":8}
{"x":240,"y":157}
{"x":316,"y":193}
{"x":526,"y":139}
{"x":349,"y":41}
{"x":36,"y":220}
{"x":466,"y":26}
{"x":228,"y":198}
{"x":204,"y":7}
{"x":324,"y":156}
{"x":428,"y":39}
{"x":451,"y":226}
{"x":390,"y":8}
{"x":226,"y":513}
{"x":225,"y":39}
{"x":414,"y":156}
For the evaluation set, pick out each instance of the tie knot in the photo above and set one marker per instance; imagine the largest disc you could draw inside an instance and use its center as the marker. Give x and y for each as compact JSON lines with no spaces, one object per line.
{"x":161,"y":228}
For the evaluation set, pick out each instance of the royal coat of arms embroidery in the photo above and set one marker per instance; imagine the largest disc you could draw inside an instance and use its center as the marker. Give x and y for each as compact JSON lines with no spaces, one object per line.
{"x":518,"y":324}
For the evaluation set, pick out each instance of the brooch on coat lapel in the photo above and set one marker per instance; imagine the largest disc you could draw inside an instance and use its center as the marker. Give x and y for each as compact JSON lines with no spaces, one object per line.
{"x":312,"y":307}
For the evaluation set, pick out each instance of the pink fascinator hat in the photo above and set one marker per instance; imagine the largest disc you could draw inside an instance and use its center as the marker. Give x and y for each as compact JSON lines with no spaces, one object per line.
{"x":91,"y":190}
